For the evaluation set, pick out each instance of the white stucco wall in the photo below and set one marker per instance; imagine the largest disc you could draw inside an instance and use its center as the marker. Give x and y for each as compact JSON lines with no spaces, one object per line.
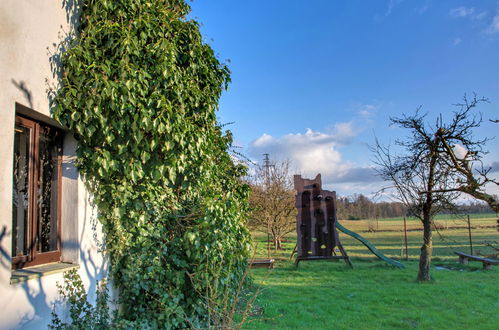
{"x":28,"y":30}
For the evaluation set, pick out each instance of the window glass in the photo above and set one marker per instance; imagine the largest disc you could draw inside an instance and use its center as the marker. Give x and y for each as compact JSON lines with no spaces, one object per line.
{"x":48,"y":152}
{"x":36,"y":193}
{"x":21,"y":191}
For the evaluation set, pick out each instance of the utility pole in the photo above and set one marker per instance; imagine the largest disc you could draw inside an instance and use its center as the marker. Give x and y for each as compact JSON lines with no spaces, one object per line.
{"x":267,"y":166}
{"x":405,"y":238}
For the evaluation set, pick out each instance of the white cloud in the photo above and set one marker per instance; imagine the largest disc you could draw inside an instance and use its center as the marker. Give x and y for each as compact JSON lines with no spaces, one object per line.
{"x":263,"y":140}
{"x":367,"y":110}
{"x":423,"y":9}
{"x":471,"y":13}
{"x":392,"y":4}
{"x":461,"y":12}
{"x":460,"y":151}
{"x":494,"y":167}
{"x":480,"y":15}
{"x":344,"y":132}
{"x":311,"y":152}
{"x":494,"y":26}
{"x":456,"y":41}
{"x":359,"y":175}
{"x":371,"y":190}
{"x":316,"y":152}
{"x":390,"y":8}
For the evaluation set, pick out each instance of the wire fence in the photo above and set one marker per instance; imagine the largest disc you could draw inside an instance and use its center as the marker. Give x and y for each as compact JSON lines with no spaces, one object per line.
{"x":479,"y":236}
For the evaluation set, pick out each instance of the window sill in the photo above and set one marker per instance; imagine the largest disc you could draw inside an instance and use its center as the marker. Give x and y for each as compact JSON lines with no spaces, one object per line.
{"x":22,"y":275}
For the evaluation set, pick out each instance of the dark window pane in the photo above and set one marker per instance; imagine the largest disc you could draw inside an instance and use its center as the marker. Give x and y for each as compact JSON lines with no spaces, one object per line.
{"x":48,"y":151}
{"x":20,"y":191}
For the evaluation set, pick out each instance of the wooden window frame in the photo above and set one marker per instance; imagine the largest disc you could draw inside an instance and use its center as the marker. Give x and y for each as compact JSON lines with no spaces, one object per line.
{"x":33,"y":256}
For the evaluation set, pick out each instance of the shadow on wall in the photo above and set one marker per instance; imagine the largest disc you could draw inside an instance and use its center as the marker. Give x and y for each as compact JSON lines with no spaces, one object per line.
{"x":39,"y":299}
{"x":21,"y":85}
{"x":35,"y":293}
{"x":66,"y":40}
{"x":42,"y":305}
{"x":33,"y":289}
{"x":92,"y":269}
{"x":94,"y":272}
{"x":4,"y":256}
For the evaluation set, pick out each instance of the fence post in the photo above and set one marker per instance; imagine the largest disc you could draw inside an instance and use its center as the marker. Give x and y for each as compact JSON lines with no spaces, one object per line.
{"x":405,"y":237}
{"x":469,"y":232}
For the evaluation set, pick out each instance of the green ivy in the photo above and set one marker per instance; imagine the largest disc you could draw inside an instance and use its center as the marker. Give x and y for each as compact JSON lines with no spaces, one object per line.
{"x":139,"y":91}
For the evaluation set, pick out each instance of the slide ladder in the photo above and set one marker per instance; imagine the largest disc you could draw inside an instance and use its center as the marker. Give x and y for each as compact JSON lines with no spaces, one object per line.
{"x":371,"y":247}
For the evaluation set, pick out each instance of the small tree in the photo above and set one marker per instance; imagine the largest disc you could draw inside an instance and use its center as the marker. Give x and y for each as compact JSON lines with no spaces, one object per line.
{"x":272,"y":202}
{"x":428,"y":176}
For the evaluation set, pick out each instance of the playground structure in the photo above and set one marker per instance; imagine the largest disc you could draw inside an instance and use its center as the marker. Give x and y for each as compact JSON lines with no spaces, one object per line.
{"x":316,"y":224}
{"x":316,"y":220}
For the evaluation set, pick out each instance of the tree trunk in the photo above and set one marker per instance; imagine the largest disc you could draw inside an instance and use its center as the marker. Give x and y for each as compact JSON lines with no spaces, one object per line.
{"x":426,"y":251}
{"x":427,"y":248}
{"x":277,"y":243}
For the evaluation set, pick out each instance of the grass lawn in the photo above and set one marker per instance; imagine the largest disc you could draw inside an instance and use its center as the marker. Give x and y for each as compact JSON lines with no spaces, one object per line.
{"x":374,"y":295}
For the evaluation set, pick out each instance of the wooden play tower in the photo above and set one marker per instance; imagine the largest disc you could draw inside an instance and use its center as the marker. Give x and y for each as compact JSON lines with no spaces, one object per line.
{"x":317,"y":237}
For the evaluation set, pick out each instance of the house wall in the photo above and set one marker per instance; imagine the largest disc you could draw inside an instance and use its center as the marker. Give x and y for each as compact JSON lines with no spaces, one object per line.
{"x":29,"y":29}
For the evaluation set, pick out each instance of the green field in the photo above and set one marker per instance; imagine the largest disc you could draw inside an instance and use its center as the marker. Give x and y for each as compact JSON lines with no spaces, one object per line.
{"x":373,"y":295}
{"x":477,"y":221}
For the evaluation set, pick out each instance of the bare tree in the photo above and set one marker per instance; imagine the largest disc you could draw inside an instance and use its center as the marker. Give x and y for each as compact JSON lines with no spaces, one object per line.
{"x":427,"y":174}
{"x":272,"y":201}
{"x":469,"y":175}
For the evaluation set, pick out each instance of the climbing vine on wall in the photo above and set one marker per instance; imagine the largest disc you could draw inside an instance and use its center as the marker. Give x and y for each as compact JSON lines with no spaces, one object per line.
{"x":139,"y":90}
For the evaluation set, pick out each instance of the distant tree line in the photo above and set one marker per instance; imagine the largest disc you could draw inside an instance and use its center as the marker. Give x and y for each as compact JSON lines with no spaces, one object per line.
{"x":471,"y":208}
{"x":358,"y":207}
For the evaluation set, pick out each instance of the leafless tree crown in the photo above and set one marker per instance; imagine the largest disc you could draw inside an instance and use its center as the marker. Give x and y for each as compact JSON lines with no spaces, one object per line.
{"x":444,"y":159}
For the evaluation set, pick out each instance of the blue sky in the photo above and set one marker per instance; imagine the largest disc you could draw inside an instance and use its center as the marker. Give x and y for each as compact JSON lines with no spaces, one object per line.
{"x":319,"y":79}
